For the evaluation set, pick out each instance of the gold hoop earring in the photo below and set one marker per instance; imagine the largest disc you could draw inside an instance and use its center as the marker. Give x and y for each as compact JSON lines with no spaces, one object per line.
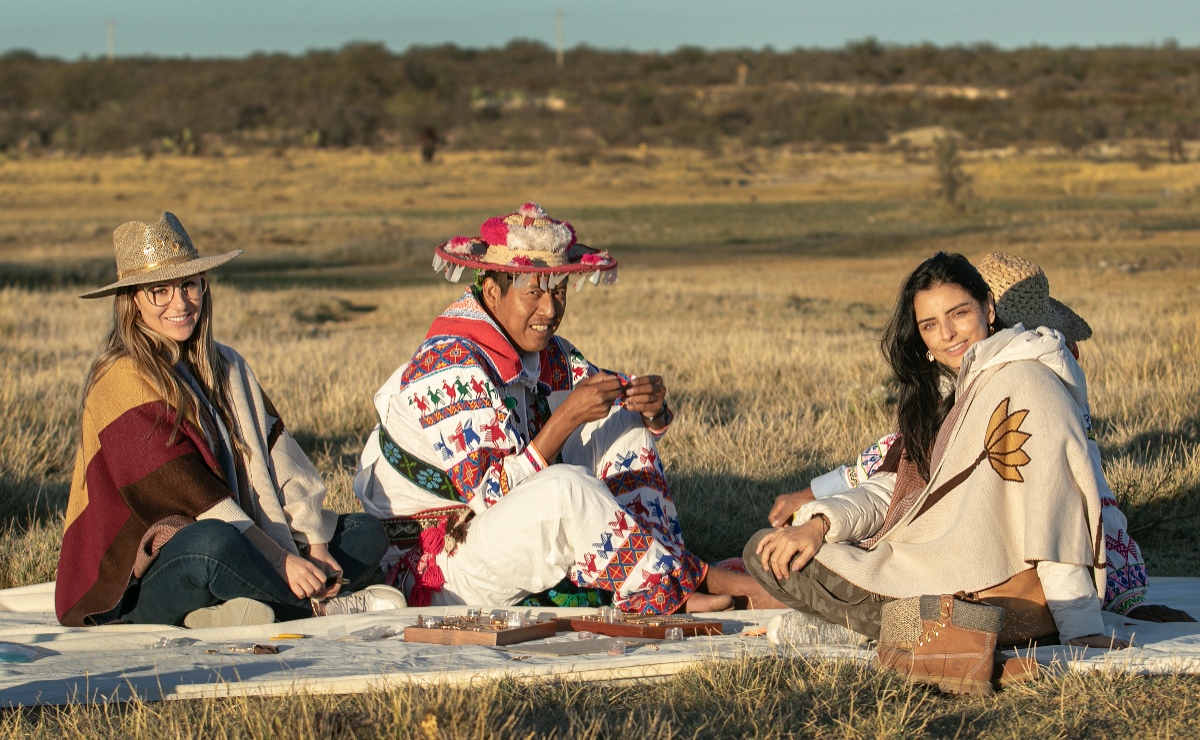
{"x":929,"y":356}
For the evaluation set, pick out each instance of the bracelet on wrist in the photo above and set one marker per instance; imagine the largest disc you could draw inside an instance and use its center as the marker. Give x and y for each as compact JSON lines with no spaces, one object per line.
{"x":825,"y":524}
{"x":662,"y":412}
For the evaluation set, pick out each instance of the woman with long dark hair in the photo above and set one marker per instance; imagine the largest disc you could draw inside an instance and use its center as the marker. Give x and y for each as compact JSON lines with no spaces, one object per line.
{"x":190,"y":503}
{"x":1021,"y":293}
{"x":992,"y":488}
{"x":926,"y":360}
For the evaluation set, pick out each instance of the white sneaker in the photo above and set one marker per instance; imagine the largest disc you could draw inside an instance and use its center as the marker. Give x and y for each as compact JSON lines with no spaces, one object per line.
{"x":798,"y":628}
{"x":239,"y":612}
{"x":376,"y":598}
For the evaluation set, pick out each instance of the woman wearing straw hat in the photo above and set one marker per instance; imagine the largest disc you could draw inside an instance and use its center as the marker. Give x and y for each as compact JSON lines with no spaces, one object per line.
{"x":1022,"y":298}
{"x":190,"y":503}
{"x":506,"y":465}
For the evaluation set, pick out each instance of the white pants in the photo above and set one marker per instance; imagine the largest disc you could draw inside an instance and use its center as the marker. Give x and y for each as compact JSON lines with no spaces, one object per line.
{"x":605,"y":522}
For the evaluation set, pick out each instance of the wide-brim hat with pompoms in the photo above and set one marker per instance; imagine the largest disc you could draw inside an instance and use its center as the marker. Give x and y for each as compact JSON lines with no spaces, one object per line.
{"x":1022,"y":295}
{"x":154,"y":253}
{"x":526,"y":242}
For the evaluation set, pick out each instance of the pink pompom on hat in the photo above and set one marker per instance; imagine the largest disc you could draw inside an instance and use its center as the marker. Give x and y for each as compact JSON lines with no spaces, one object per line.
{"x":526,"y":242}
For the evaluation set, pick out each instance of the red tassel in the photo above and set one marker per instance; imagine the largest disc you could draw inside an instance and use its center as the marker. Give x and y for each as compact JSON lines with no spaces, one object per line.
{"x":421,"y":561}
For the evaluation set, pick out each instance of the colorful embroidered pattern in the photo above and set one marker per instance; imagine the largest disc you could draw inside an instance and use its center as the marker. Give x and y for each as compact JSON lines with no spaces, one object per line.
{"x":1125,"y":588}
{"x":453,"y":409}
{"x":467,"y":475}
{"x":567,"y":594}
{"x":664,"y":592}
{"x":476,"y":408}
{"x":870,"y":460}
{"x":414,"y":469}
{"x":1127,"y":581}
{"x":632,"y":480}
{"x":440,"y":354}
{"x":556,"y":368}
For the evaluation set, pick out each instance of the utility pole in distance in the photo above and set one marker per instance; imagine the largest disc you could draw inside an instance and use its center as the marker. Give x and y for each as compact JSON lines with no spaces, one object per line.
{"x":558,"y":37}
{"x":111,"y":27}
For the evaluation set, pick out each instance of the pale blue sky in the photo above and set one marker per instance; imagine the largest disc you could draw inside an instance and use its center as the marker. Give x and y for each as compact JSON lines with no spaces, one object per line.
{"x":233,"y":28}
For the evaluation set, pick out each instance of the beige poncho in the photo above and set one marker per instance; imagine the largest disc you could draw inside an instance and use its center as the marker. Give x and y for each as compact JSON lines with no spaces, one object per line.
{"x":1014,"y":483}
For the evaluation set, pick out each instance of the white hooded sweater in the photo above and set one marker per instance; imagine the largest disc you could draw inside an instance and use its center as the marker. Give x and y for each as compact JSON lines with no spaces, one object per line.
{"x":987,"y":528}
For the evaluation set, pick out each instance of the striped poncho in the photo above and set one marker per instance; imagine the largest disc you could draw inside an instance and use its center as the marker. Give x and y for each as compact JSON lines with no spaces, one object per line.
{"x":129,"y":474}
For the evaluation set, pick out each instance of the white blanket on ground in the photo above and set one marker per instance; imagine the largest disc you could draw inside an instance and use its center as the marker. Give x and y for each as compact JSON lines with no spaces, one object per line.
{"x":115,"y":663}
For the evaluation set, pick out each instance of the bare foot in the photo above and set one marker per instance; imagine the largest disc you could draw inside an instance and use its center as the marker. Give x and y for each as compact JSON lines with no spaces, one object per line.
{"x":699,"y":602}
{"x":747,"y":592}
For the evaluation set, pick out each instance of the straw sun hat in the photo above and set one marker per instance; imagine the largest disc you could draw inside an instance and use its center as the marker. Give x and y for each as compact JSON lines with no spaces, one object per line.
{"x":526,"y":242}
{"x":1022,"y":295}
{"x":154,"y":253}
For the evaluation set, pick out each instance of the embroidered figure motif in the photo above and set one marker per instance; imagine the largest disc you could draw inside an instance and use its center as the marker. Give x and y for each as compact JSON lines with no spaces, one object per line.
{"x":649,"y":456}
{"x":656,"y":509}
{"x":666,"y":562}
{"x":589,"y":563}
{"x":621,"y":525}
{"x":470,"y":436}
{"x":625,"y":461}
{"x":605,"y":545}
{"x":482,"y":390}
{"x":442,"y":448}
{"x":637,"y":508}
{"x":493,"y":431}
{"x":465,"y":437}
{"x":651,"y":580}
{"x":674,"y":527}
{"x":435,"y":396}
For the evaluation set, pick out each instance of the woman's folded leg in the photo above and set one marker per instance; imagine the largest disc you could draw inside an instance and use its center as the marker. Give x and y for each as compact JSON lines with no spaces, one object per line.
{"x":819,"y":591}
{"x":205,"y":564}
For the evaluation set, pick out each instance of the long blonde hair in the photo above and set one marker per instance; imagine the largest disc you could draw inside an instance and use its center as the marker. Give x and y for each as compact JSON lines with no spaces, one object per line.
{"x":155,"y":357}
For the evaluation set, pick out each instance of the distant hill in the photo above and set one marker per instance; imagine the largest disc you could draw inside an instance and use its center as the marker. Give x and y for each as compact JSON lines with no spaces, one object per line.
{"x":516,"y":98}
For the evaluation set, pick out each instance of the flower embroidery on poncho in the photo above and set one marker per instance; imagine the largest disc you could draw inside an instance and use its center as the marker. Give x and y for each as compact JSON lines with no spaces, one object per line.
{"x":1004,"y":442}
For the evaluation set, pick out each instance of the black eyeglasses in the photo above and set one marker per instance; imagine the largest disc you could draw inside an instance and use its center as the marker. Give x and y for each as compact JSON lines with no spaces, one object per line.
{"x":161,"y":294}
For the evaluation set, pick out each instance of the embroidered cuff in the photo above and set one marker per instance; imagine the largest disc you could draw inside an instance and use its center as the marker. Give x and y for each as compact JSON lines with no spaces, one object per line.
{"x":535,"y":458}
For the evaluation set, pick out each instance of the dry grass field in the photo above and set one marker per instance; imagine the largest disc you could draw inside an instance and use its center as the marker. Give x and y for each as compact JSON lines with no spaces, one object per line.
{"x":756,"y":282}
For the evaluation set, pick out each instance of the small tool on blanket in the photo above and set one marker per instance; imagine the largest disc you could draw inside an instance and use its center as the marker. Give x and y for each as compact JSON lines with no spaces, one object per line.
{"x":252,"y":648}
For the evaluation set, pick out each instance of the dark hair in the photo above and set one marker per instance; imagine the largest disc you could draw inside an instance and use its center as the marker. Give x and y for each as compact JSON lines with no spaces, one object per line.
{"x":921,"y":408}
{"x":504,"y":279}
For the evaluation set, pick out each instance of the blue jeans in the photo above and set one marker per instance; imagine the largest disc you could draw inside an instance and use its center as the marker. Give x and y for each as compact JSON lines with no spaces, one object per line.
{"x":210,"y":562}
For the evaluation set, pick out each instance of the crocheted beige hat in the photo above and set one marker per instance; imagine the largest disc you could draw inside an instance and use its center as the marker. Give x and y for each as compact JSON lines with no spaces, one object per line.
{"x":152,"y":253}
{"x":1022,"y":295}
{"x":527,"y":242}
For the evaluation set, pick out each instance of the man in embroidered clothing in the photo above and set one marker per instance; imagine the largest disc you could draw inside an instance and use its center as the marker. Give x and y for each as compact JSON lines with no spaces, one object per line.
{"x":505,"y":462}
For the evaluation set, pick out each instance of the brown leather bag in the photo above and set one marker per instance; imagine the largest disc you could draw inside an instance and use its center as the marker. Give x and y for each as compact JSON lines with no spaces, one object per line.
{"x":1026,"y":615}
